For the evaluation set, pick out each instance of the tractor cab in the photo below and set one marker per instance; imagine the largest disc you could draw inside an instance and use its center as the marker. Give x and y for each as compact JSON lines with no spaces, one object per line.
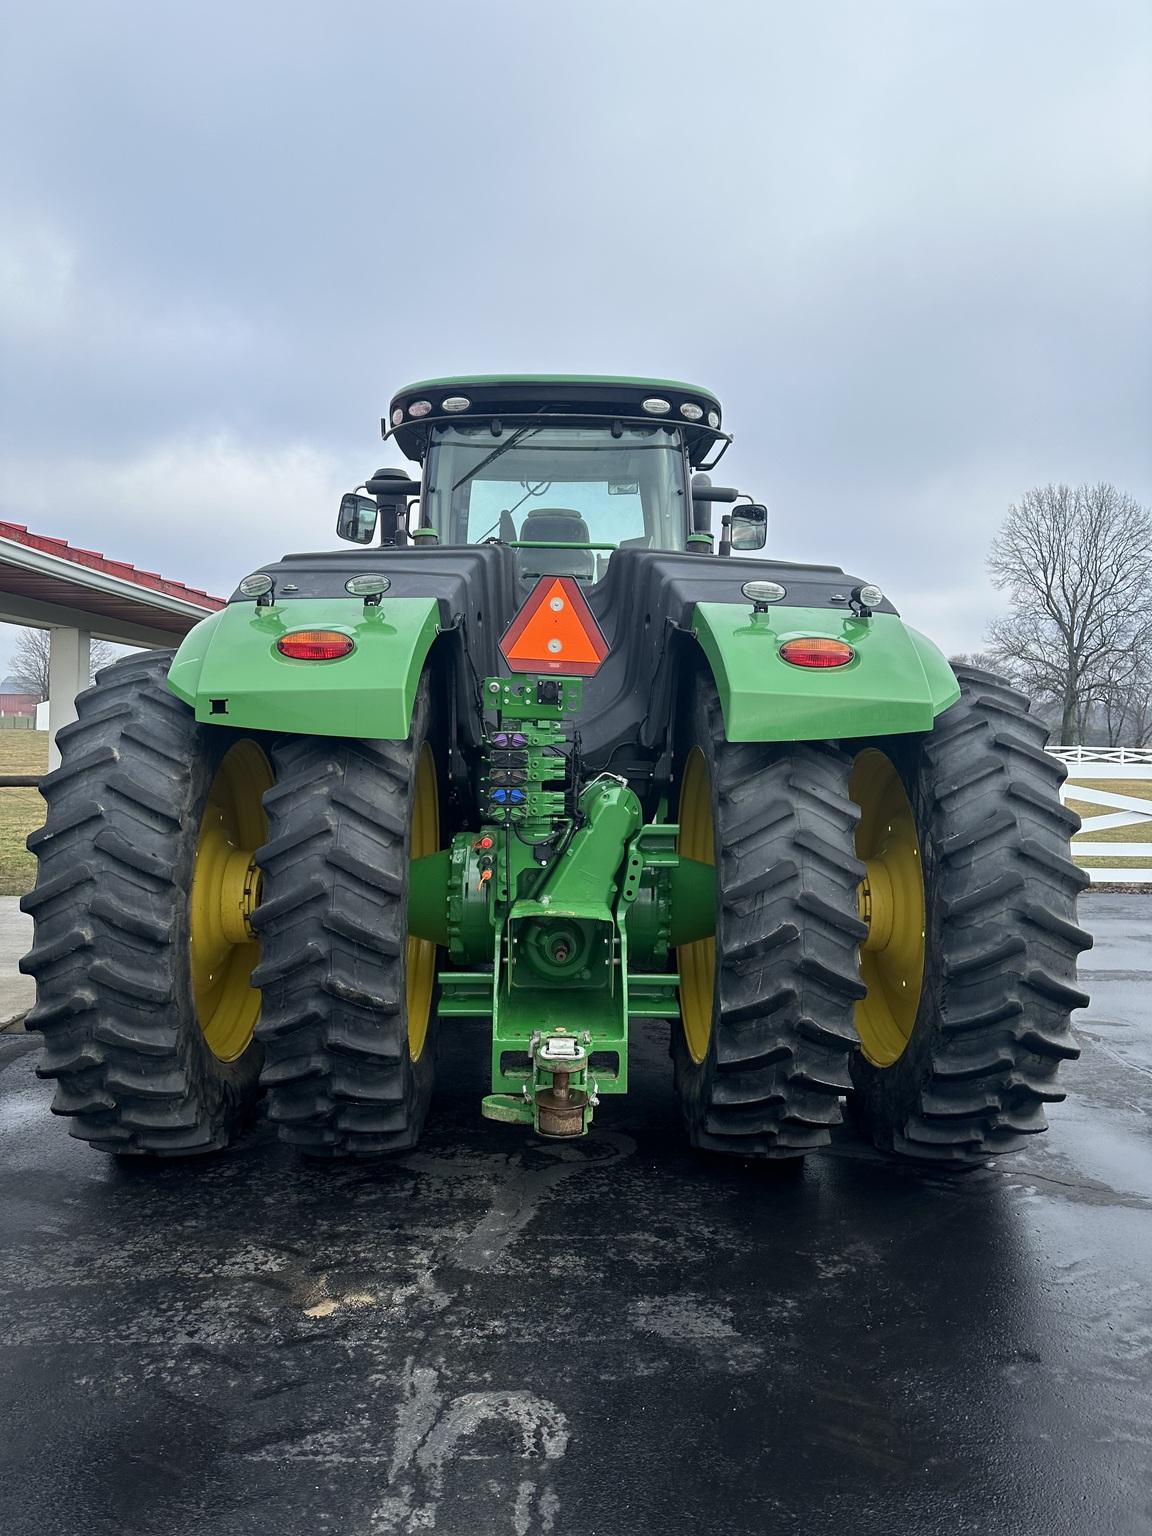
{"x":563,"y":471}
{"x":563,"y":496}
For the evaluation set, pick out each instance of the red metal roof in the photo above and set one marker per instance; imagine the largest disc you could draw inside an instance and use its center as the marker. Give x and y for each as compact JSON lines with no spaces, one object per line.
{"x":118,"y":568}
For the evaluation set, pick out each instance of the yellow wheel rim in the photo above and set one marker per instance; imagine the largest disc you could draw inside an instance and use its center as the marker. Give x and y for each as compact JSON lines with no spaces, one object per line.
{"x":892,"y":904}
{"x":697,"y":962}
{"x":421,"y":953}
{"x":223,"y":949}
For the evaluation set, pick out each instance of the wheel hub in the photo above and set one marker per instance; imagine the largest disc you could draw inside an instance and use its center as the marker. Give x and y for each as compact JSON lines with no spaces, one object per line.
{"x":223,"y":948}
{"x":876,"y":905}
{"x":892,"y":905}
{"x":239,"y":894}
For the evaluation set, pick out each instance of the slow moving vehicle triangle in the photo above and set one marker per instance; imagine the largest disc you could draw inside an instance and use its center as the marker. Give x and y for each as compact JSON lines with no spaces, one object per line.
{"x":555,"y":631}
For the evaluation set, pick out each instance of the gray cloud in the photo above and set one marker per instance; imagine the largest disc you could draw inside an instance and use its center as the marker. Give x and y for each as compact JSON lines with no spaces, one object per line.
{"x":906,"y":242}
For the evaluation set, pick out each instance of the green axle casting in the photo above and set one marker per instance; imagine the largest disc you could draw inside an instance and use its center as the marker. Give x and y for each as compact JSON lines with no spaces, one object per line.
{"x":555,"y":744}
{"x":570,"y":903}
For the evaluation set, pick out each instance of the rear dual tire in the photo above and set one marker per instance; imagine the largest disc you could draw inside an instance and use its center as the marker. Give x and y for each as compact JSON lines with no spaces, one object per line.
{"x":169,"y":866}
{"x":947,"y":1035}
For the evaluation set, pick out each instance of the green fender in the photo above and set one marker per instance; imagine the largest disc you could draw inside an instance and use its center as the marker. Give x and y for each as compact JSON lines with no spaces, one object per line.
{"x":897,"y":681}
{"x":229,"y":670}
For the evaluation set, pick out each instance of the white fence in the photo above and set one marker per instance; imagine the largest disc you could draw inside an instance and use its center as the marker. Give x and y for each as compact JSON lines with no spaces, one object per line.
{"x":1103,"y":754}
{"x":1087,"y":763}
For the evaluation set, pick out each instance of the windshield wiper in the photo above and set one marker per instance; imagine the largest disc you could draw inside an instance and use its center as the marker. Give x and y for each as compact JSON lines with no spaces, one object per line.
{"x":517,"y":436}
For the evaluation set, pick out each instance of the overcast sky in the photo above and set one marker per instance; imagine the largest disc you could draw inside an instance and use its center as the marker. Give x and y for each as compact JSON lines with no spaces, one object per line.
{"x":906,"y":241}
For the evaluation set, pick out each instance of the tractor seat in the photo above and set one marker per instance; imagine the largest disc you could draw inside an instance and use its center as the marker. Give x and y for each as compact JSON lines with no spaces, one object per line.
{"x":556,"y":525}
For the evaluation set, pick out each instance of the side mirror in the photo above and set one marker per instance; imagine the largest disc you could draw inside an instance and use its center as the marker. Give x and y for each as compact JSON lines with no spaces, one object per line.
{"x":749,"y":527}
{"x":356,"y":520}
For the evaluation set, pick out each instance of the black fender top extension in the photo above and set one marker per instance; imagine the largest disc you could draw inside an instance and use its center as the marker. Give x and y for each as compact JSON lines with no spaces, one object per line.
{"x":643,"y":605}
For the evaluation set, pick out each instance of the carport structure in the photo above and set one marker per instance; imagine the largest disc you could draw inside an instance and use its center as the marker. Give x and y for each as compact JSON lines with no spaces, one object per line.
{"x":79,"y":595}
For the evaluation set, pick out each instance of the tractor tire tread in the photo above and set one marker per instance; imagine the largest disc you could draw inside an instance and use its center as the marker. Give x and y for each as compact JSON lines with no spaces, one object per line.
{"x":105,"y":907}
{"x":787,"y":980}
{"x":331,"y":922}
{"x":1008,"y":942}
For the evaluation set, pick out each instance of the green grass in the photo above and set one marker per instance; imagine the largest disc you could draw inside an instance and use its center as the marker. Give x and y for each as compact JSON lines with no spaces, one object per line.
{"x":1140,"y":789}
{"x":1140,"y":833}
{"x":21,"y":810}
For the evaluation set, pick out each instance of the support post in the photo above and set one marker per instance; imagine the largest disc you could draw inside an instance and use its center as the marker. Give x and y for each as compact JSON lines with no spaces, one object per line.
{"x":69,"y":673}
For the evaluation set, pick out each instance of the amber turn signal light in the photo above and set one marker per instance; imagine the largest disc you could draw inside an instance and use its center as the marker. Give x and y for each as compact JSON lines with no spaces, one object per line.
{"x":315,"y":645}
{"x":817,"y":651}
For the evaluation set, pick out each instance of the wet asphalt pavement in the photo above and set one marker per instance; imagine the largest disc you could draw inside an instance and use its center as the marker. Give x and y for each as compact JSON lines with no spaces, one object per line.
{"x":497,"y":1335}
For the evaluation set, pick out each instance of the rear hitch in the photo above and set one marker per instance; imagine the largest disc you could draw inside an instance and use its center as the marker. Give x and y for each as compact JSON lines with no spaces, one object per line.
{"x":559,"y":1098}
{"x":561,"y":1110}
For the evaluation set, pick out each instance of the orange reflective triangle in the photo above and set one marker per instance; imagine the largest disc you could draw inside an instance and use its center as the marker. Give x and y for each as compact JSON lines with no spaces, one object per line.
{"x":555,"y":631}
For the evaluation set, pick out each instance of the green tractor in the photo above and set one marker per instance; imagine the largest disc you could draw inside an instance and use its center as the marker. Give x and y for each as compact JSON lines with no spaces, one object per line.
{"x":548,"y":749}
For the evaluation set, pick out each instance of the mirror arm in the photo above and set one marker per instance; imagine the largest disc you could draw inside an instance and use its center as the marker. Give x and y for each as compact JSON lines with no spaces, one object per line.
{"x":388,"y":520}
{"x":701,"y":515}
{"x":393,"y":512}
{"x":725,"y":547}
{"x":392,"y":484}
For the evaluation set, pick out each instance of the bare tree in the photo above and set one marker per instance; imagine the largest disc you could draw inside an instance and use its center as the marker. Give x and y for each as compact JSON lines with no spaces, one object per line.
{"x":1077,"y":566}
{"x":1125,"y":695}
{"x":29,"y":665}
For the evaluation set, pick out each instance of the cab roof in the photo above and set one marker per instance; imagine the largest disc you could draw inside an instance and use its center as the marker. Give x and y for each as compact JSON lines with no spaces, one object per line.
{"x":557,"y":395}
